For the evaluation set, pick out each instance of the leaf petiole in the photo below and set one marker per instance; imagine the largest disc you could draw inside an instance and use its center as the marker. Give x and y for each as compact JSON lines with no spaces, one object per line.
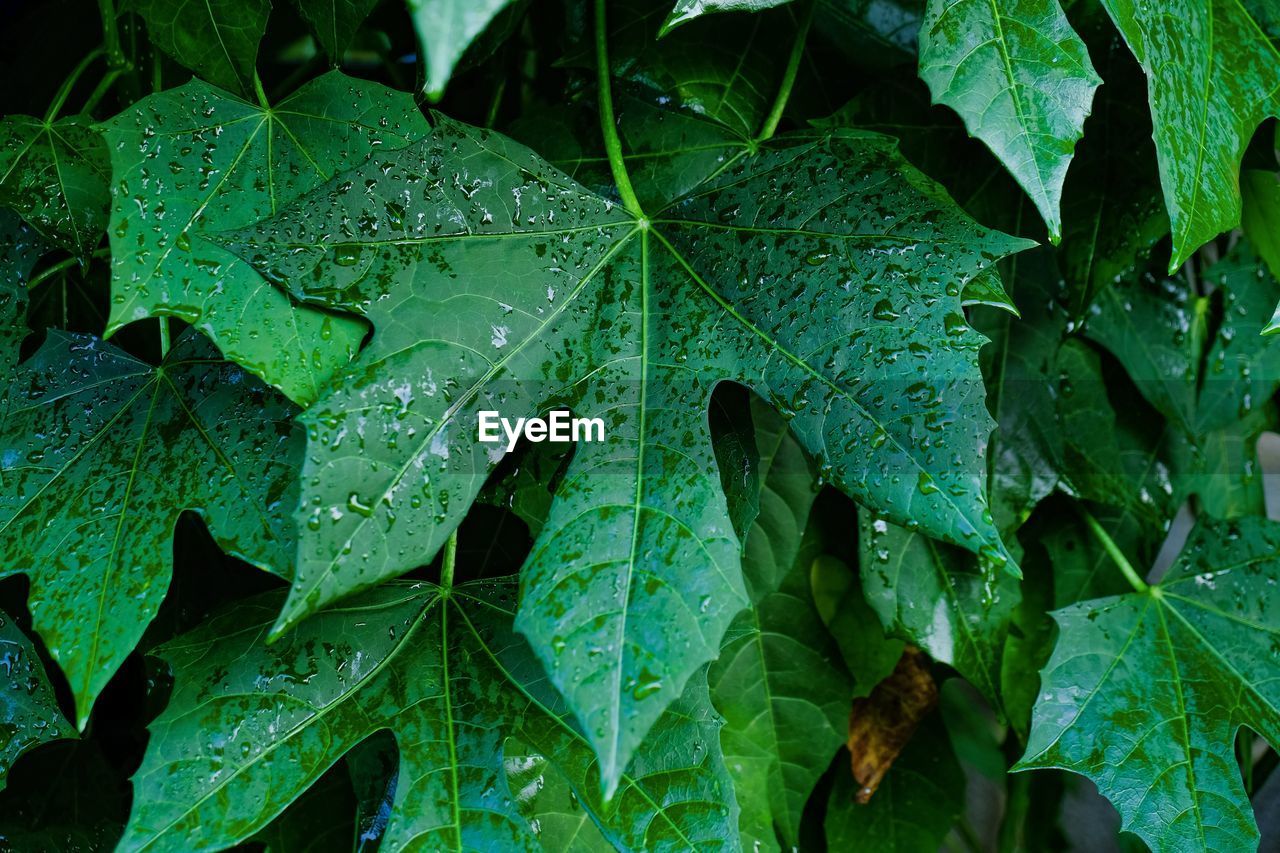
{"x":450,"y":559}
{"x":261,"y":93}
{"x":788,"y":77}
{"x":67,"y":85}
{"x":608,"y":125}
{"x":1113,"y":550}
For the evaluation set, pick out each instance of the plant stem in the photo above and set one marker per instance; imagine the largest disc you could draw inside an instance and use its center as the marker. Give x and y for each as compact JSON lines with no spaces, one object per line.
{"x":164,"y":337}
{"x":66,"y":263}
{"x":788,"y":76}
{"x":67,"y":85}
{"x":1113,"y":550}
{"x":608,"y":125}
{"x":262,"y":95}
{"x":104,"y":86}
{"x":111,"y":36}
{"x":450,"y":558}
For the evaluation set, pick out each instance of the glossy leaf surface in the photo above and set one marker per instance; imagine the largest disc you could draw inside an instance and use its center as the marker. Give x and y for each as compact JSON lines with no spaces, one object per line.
{"x":55,"y":174}
{"x":1021,"y":79}
{"x":250,"y":727}
{"x":445,"y":29}
{"x":27,"y":704}
{"x":706,"y":291}
{"x":1211,"y":70}
{"x":194,"y":160}
{"x":1144,"y":692}
{"x":101,"y":452}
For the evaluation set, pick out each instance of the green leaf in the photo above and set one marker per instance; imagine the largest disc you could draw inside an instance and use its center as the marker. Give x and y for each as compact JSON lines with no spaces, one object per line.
{"x":100,"y":454}
{"x":1261,"y":222}
{"x":55,"y":174}
{"x":1204,"y":364}
{"x":27,"y":704}
{"x":1021,"y":79}
{"x":933,"y":596}
{"x":547,"y":800}
{"x":869,"y":656}
{"x":193,"y":160}
{"x":915,"y":806}
{"x":778,"y":681}
{"x":1113,"y":212}
{"x":1211,"y":72}
{"x":725,"y":69}
{"x":445,"y":29}
{"x":569,"y":301}
{"x":1020,"y":369}
{"x":1145,"y":692}
{"x":335,"y":22}
{"x":250,"y":727}
{"x":1109,"y":457}
{"x":20,"y":248}
{"x":217,"y":39}
{"x":687,"y":10}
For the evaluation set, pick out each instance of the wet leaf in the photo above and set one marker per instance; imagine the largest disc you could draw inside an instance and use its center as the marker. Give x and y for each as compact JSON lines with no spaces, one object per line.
{"x":250,"y":727}
{"x":20,"y":248}
{"x":934,"y":596}
{"x":55,"y":174}
{"x":100,"y":454}
{"x":217,"y":39}
{"x":1020,"y":368}
{"x":29,"y":714}
{"x":1211,"y":70}
{"x":194,"y":160}
{"x":1145,"y":692}
{"x":1021,"y":79}
{"x":1203,"y":362}
{"x":823,"y":272}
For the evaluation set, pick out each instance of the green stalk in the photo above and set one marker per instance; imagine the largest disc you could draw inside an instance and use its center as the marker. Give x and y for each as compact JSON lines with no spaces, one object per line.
{"x":66,"y":263}
{"x":262,"y":95}
{"x":111,"y":36}
{"x":1113,"y":550}
{"x":67,"y":85}
{"x":104,"y":86}
{"x":788,"y":77}
{"x":450,"y":558}
{"x":608,"y":125}
{"x":164,"y":337}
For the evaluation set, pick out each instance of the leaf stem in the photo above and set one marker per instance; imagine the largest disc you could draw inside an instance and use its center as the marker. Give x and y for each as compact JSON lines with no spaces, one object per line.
{"x":608,"y":125}
{"x":104,"y":86}
{"x":111,"y":36}
{"x":67,"y":85}
{"x":1113,"y":550}
{"x":66,"y":263}
{"x":450,"y":559}
{"x":261,"y":93}
{"x":164,"y":337}
{"x":788,"y":76}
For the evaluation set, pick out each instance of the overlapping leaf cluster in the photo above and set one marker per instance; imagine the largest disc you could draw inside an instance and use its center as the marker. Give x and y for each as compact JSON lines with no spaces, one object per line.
{"x":917,"y":347}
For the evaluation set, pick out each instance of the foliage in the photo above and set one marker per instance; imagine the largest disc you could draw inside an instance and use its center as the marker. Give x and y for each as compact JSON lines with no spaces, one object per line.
{"x":921,"y":332}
